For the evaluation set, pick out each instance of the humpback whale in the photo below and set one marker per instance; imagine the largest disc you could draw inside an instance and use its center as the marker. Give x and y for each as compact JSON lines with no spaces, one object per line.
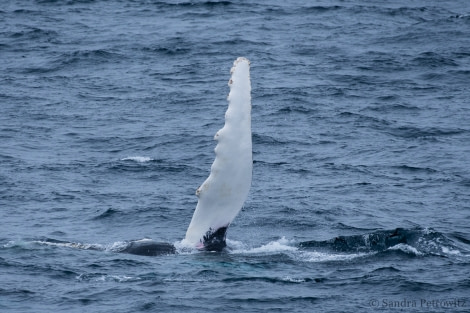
{"x":222,"y":194}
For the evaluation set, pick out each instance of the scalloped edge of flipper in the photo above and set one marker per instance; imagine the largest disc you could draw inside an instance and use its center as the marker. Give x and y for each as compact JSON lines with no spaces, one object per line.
{"x":223,"y":193}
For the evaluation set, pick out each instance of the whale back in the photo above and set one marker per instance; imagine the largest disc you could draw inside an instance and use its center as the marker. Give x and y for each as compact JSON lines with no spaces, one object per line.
{"x":221,"y":196}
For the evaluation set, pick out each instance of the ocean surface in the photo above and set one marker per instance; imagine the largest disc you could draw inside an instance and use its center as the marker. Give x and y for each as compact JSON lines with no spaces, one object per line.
{"x":360,"y":200}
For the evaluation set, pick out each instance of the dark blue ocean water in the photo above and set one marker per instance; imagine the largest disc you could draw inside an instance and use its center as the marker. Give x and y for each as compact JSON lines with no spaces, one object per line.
{"x":361,"y":125}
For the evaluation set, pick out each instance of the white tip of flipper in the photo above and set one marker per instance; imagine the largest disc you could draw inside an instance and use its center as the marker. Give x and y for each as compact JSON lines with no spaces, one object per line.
{"x":223,"y":193}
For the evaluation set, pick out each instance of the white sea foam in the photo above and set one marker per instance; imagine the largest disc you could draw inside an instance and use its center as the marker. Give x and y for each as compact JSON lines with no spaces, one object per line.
{"x":123,"y":278}
{"x":450,"y":251}
{"x":10,"y":244}
{"x":184,"y":247}
{"x":293,"y":280}
{"x":314,"y":256}
{"x":105,"y":278}
{"x":280,"y":245}
{"x":74,"y":245}
{"x":287,"y":247}
{"x":406,"y":248}
{"x":116,"y":246}
{"x":139,"y":159}
{"x":236,"y":245}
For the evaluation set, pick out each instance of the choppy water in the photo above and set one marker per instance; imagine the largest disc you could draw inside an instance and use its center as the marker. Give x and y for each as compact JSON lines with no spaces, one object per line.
{"x":361,"y":119}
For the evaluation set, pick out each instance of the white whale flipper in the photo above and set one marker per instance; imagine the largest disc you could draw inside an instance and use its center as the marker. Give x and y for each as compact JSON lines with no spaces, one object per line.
{"x":223,"y":193}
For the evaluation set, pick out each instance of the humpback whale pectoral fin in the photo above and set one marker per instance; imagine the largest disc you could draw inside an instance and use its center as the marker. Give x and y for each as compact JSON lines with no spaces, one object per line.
{"x":222,"y":194}
{"x":214,"y":240}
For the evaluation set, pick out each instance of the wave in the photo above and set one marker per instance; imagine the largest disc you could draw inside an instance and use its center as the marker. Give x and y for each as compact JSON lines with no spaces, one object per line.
{"x":145,"y":164}
{"x":98,"y":277}
{"x":197,"y":4}
{"x":89,"y":57}
{"x":110,"y":212}
{"x":411,"y":132}
{"x":33,"y":33}
{"x":138,"y":159}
